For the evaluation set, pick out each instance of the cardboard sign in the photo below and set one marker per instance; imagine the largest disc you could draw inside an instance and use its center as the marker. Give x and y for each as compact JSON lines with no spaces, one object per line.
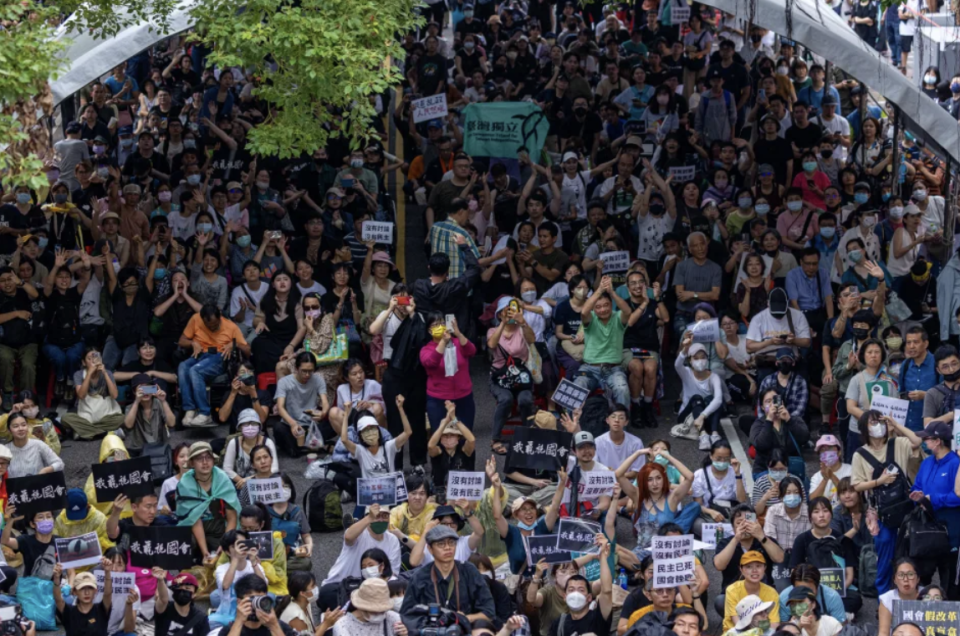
{"x":130,"y":477}
{"x":714,"y":533}
{"x":427,"y":108}
{"x":465,"y":485}
{"x":377,"y":231}
{"x":578,"y":535}
{"x":122,"y":583}
{"x":705,"y":331}
{"x":37,"y":493}
{"x":679,"y":14}
{"x":834,"y":578}
{"x":377,"y":490}
{"x":76,"y":552}
{"x":538,"y":449}
{"x":615,"y":261}
{"x":894,"y":407}
{"x":939,"y":618}
{"x":167,"y":547}
{"x":266,"y":491}
{"x":570,"y":395}
{"x":682,"y":174}
{"x":264,"y":545}
{"x":673,"y":562}
{"x":544,"y":547}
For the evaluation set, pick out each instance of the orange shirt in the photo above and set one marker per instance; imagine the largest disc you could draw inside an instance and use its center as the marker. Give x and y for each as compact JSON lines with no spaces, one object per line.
{"x":227,"y":333}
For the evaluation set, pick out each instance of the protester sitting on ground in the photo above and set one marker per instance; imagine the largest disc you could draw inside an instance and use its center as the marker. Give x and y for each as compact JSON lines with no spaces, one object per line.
{"x":807,"y":576}
{"x":699,"y":385}
{"x":753,"y":568}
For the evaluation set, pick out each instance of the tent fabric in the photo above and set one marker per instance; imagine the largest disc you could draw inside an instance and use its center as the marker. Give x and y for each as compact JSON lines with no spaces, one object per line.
{"x":815,"y":25}
{"x":89,"y":58}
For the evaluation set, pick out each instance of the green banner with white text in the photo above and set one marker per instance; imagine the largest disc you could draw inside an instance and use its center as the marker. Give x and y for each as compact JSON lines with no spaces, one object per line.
{"x":502,"y":129}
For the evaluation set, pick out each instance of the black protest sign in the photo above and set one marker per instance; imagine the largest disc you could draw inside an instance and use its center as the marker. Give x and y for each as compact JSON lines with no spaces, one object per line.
{"x":577,"y":535}
{"x":131,"y":477}
{"x":544,"y":547}
{"x":570,"y":395}
{"x":264,"y":541}
{"x":834,"y":579}
{"x":780,"y":573}
{"x":935,"y":618}
{"x":167,"y":547}
{"x":37,"y":493}
{"x":538,"y":449}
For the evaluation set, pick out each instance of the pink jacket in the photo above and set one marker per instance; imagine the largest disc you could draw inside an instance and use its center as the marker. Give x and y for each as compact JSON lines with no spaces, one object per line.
{"x":439,"y":385}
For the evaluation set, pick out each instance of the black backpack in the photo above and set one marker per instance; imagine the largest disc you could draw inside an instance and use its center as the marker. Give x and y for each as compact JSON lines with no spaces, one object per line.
{"x":347,"y":587}
{"x":892,"y":500}
{"x":64,"y":327}
{"x":922,"y":536}
{"x":321,"y":504}
{"x":820,"y":552}
{"x":593,"y":415}
{"x":161,"y":461}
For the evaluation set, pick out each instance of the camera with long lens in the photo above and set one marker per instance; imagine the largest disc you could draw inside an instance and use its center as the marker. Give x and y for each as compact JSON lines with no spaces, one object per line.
{"x":440,"y":622}
{"x":263,"y":603}
{"x":11,"y":621}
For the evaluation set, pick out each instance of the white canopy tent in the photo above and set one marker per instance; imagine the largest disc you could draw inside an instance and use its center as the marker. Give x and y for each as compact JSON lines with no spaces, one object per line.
{"x":816,"y":26}
{"x":89,"y":58}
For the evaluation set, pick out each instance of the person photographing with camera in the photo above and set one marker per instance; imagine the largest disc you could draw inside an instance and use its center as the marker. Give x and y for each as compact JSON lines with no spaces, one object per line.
{"x":149,"y":417}
{"x":255,"y":615}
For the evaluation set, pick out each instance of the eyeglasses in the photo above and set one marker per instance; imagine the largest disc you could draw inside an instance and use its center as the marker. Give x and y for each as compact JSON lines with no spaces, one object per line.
{"x":906,"y":576}
{"x":931,"y":597}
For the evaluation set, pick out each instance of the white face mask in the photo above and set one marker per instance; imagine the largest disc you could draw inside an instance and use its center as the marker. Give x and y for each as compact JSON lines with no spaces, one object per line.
{"x":397,"y":603}
{"x":286,"y":494}
{"x":371,"y":572}
{"x":31,"y":412}
{"x":877,"y":430}
{"x":314,"y":594}
{"x":376,"y":618}
{"x":576,"y":601}
{"x":699,"y":365}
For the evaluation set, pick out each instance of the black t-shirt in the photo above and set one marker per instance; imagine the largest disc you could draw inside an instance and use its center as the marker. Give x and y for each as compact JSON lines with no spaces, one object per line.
{"x":264,"y":631}
{"x":805,"y":138}
{"x":592,"y":624}
{"x":16,"y":332}
{"x":170,"y":622}
{"x":635,"y":600}
{"x":643,"y":334}
{"x":444,"y":463}
{"x":777,"y":153}
{"x":131,"y":322}
{"x":732,"y":573}
{"x":158,"y":365}
{"x":586,"y":130}
{"x":157,"y":161}
{"x":227,"y":168}
{"x":63,"y":317}
{"x":569,"y":317}
{"x":432,"y":72}
{"x":799,"y":555}
{"x":93,"y":623}
{"x":735,"y":78}
{"x":10,"y":216}
{"x":31,"y":549}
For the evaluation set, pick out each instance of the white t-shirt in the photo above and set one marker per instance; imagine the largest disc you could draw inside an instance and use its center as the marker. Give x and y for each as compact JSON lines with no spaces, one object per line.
{"x":380,"y":464}
{"x":764,"y":326}
{"x":316,"y":288}
{"x":651,"y":230}
{"x":723,"y":490}
{"x":372,"y":392}
{"x":182,"y":227}
{"x":836,"y":126}
{"x":393,"y":323}
{"x":90,"y":303}
{"x":244,"y":292}
{"x":830,"y":491}
{"x":536,"y":234}
{"x":348,"y":563}
{"x":461,"y":555}
{"x":738,"y":352}
{"x":574,"y":191}
{"x":909,"y":27}
{"x":611,"y":454}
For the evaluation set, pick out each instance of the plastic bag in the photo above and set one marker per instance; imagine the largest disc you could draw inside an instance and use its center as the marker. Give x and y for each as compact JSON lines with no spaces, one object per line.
{"x":317,"y":469}
{"x":314,"y":438}
{"x":36,"y":598}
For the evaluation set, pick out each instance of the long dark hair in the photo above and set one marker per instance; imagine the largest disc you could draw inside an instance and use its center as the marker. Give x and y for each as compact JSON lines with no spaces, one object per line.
{"x":269,"y":303}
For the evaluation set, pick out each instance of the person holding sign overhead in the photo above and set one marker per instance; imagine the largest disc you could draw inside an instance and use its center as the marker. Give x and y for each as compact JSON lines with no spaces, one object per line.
{"x":86,"y":617}
{"x":584,"y":616}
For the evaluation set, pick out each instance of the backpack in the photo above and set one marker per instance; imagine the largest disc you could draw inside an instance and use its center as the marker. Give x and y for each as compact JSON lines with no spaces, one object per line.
{"x":867,"y":571}
{"x":64,"y":327}
{"x":321,"y":504}
{"x":705,"y":99}
{"x":893,"y":503}
{"x":593,"y":415}
{"x":820,"y":552}
{"x":949,"y":398}
{"x":922,"y":536}
{"x":347,"y":587}
{"x":161,"y":461}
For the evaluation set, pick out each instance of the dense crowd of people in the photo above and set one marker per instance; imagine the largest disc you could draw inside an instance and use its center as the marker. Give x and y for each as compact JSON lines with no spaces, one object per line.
{"x":784,"y":264}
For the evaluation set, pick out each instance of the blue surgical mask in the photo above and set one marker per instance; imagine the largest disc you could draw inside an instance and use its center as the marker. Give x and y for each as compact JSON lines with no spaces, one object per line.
{"x":794,"y":206}
{"x":193,"y":179}
{"x":828,"y":232}
{"x":885,"y":196}
{"x":204,"y":227}
{"x":955,"y":87}
{"x":526,"y":526}
{"x":189,"y":143}
{"x":762,"y":209}
{"x":855,"y":256}
{"x":809,"y":166}
{"x":660,"y":459}
{"x":159,"y":272}
{"x":42,"y":242}
{"x":61,"y":197}
{"x":24,"y":197}
{"x":861,"y":197}
{"x":243,"y":241}
{"x":791,"y":501}
{"x":777,"y":475}
{"x":926,"y":450}
{"x":744,"y":202}
{"x":721,"y":466}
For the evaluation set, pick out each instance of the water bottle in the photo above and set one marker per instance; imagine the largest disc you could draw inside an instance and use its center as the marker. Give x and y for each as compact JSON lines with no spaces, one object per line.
{"x":622,"y":578}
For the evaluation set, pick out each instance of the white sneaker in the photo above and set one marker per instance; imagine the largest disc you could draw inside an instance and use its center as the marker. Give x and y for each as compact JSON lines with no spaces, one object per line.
{"x":188,"y":418}
{"x":704,"y":442}
{"x":202,"y":421}
{"x":715,"y":437}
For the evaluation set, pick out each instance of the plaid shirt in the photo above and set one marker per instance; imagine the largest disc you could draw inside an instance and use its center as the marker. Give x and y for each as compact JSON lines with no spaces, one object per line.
{"x":441,"y":240}
{"x":781,"y":528}
{"x":795,"y":395}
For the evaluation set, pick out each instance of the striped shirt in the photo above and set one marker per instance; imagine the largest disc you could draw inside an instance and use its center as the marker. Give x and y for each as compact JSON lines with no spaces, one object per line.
{"x":442,"y":240}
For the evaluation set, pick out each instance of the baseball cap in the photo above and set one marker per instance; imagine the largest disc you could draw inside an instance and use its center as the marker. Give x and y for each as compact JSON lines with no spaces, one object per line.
{"x":185,"y":578}
{"x":77,"y":505}
{"x":101,"y":139}
{"x":748,"y":607}
{"x":937,"y":429}
{"x":365,"y":422}
{"x":766,"y":167}
{"x":569,"y":155}
{"x":714,"y":73}
{"x":583,"y":437}
{"x":125,"y":130}
{"x":828,"y":440}
{"x":5,"y":453}
{"x":519,"y":501}
{"x":778,"y":302}
{"x":248,"y":415}
{"x":752,"y":556}
{"x":695,"y":349}
{"x":800,"y":593}
{"x":785,"y":352}
{"x":234,"y":185}
{"x":84,"y":579}
{"x":862,"y":185}
{"x":829,"y":100}
{"x":434,"y":123}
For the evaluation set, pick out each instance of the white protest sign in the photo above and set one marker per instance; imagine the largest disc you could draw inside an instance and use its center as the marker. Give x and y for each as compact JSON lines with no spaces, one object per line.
{"x":122,"y":583}
{"x":432,"y":107}
{"x":266,"y":491}
{"x":673,"y":562}
{"x":615,"y":261}
{"x":377,"y":231}
{"x":679,"y":14}
{"x":501,"y":245}
{"x":714,"y":532}
{"x":682,"y":174}
{"x":597,"y":483}
{"x":894,"y":407}
{"x":956,"y":428}
{"x":465,"y":485}
{"x":705,"y":330}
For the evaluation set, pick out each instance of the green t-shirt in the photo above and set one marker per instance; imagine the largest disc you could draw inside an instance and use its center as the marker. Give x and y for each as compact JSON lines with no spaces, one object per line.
{"x":603,"y":343}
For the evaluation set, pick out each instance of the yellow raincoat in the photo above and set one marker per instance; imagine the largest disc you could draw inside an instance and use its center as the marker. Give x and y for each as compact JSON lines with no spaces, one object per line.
{"x":50,"y":437}
{"x":95,"y":521}
{"x":276,"y":570}
{"x":109,"y":444}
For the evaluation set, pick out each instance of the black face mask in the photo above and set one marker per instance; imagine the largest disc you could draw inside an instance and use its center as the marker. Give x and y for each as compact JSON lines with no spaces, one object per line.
{"x":826,"y":153}
{"x":182,"y":597}
{"x":756,"y":37}
{"x":952,"y":377}
{"x":861,"y":334}
{"x":766,"y":71}
{"x":785,"y":366}
{"x":580,"y":112}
